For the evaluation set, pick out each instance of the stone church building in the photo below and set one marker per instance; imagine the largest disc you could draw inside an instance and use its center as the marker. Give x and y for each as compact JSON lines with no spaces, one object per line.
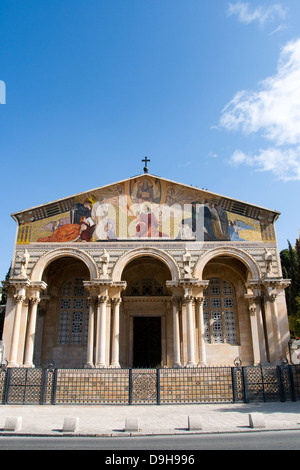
{"x":145,"y":272}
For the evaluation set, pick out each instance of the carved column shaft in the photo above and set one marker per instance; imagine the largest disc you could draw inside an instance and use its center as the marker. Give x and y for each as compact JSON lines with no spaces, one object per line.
{"x":115,"y":359}
{"x":101,"y":331}
{"x":13,"y":357}
{"x":260,"y":328}
{"x":254,"y":334}
{"x":202,"y":348}
{"x":278,"y":346}
{"x":91,"y":333}
{"x":176,"y":333}
{"x":269,"y":327}
{"x":31,"y":328}
{"x":190,"y":332}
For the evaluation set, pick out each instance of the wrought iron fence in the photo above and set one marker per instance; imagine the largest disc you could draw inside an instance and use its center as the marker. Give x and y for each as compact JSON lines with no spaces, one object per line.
{"x":196,"y":385}
{"x":52,"y":386}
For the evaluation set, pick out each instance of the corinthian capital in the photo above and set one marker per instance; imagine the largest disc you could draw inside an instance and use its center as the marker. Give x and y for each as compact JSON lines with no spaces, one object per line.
{"x":252,"y":311}
{"x":102,"y":299}
{"x":270,"y":298}
{"x":188,"y":298}
{"x":34,"y":300}
{"x":19,"y":299}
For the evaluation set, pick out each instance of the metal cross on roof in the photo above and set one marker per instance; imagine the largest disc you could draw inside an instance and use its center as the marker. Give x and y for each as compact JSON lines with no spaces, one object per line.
{"x":146,"y":160}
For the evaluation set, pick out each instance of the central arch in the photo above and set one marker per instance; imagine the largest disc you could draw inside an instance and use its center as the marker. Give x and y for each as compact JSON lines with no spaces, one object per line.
{"x":140,"y":252}
{"x":144,"y":323}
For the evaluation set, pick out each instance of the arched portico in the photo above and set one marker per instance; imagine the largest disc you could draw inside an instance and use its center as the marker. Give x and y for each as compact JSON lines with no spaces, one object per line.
{"x":235,"y":311}
{"x":144,"y":320}
{"x":53,"y":255}
{"x":245,"y":258}
{"x":140,"y":252}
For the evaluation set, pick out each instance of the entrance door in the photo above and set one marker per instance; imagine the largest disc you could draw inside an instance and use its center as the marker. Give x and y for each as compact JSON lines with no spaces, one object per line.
{"x":147,"y":342}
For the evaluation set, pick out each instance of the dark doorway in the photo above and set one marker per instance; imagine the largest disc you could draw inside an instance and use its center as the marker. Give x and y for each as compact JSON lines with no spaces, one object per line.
{"x":147,"y":342}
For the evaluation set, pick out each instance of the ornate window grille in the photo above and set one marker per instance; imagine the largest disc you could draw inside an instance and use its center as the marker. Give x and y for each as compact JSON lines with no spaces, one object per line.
{"x":146,"y":286}
{"x":73,"y":313}
{"x":219,"y":311}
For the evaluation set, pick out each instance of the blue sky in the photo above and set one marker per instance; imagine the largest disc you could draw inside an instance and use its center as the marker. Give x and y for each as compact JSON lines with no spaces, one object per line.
{"x":207,"y":89}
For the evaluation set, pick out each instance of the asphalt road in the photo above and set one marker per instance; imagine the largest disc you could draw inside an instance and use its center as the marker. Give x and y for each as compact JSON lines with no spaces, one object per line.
{"x":270,"y":440}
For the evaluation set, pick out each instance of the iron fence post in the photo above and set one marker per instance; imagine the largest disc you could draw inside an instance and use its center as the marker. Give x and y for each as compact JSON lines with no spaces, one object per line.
{"x":246,"y":398}
{"x":44,"y":386}
{"x":262,"y":382}
{"x":130,"y":386}
{"x":54,"y":387}
{"x":7,"y":385}
{"x":281,"y":383}
{"x":292,"y":383}
{"x":158,"y":385}
{"x":233,"y":384}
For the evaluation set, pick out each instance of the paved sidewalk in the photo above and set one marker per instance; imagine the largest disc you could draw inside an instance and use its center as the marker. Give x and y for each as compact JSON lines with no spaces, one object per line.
{"x":109,"y":420}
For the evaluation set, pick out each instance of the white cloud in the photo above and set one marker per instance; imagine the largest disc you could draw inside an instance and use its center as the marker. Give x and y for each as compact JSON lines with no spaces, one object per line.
{"x":273,"y":111}
{"x":212,"y":155}
{"x":262,"y":14}
{"x":284,"y":164}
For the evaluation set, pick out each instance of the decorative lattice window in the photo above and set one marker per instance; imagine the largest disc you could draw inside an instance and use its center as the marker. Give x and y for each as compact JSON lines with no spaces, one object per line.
{"x":73,"y":314}
{"x":146,"y":286}
{"x":219,"y":312}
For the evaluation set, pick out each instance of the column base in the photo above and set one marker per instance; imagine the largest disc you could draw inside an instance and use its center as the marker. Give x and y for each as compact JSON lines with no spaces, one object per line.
{"x":28,"y":366}
{"x":115,"y":366}
{"x":191,"y":364}
{"x":13,"y":364}
{"x":177,"y":365}
{"x":89,"y":365}
{"x":202,"y":364}
{"x":101,"y":366}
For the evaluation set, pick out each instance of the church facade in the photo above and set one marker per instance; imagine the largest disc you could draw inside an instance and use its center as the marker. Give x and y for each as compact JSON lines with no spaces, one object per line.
{"x":145,"y":272}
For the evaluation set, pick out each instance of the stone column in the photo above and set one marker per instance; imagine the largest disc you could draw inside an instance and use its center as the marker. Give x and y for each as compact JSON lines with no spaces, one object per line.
{"x":190,"y":332}
{"x":176,"y":333}
{"x":202,"y":348}
{"x":254,"y":334}
{"x":13,"y":357}
{"x":31,"y":328}
{"x":278,"y":346}
{"x":91,"y":333}
{"x":115,"y":359}
{"x":101,"y":331}
{"x":260,"y":327}
{"x":269,"y":327}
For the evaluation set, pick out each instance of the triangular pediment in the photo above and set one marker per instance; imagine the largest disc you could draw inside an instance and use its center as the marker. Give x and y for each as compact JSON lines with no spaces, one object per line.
{"x":120,"y":211}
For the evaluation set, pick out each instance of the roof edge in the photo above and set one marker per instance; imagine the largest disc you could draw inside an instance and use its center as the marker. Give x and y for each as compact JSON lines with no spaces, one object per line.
{"x":276,"y":213}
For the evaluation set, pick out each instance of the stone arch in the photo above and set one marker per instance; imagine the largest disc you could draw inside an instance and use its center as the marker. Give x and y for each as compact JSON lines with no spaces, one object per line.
{"x":46,"y":259}
{"x":139,"y":252}
{"x":245,"y":258}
